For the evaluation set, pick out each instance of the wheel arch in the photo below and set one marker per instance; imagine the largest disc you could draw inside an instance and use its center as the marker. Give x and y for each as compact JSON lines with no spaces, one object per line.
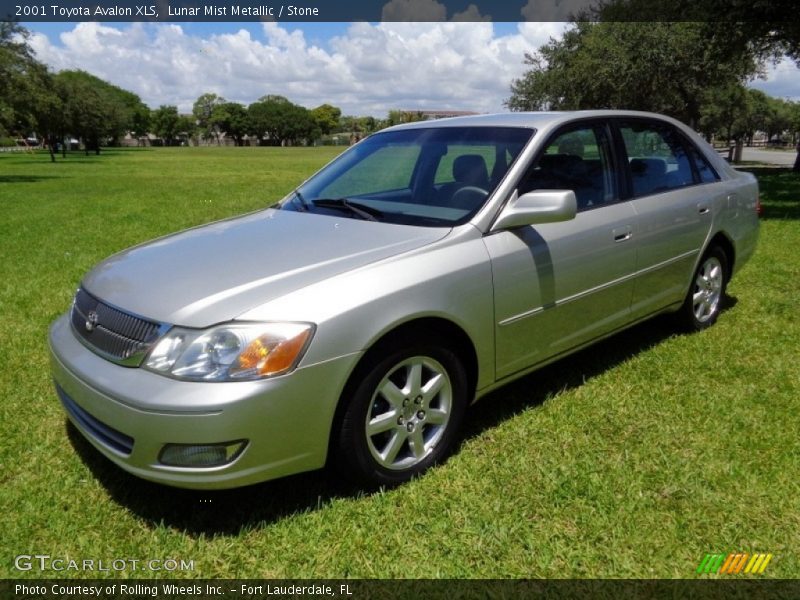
{"x":444,"y":331}
{"x":724,"y":242}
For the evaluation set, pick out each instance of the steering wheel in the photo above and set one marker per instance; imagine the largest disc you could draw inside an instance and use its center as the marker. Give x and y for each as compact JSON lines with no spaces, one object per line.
{"x":469,"y":197}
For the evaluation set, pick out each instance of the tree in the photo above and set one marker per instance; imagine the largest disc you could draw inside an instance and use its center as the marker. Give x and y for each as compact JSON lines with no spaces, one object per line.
{"x":722,"y":108}
{"x":48,"y":111}
{"x":69,"y":102}
{"x":299,"y":125}
{"x":276,"y":121}
{"x":97,"y":111}
{"x":738,"y":30}
{"x":779,"y":120}
{"x":742,"y":27}
{"x":165,"y":123}
{"x":657,"y":66}
{"x":186,"y":128}
{"x":203,"y":111}
{"x":140,"y":121}
{"x":28,"y":97}
{"x":326,"y":117}
{"x":18,"y":83}
{"x":396,"y":117}
{"x":231,"y":118}
{"x":368,"y":124}
{"x":263,"y":119}
{"x":757,"y":115}
{"x":275,"y":99}
{"x":86,"y":113}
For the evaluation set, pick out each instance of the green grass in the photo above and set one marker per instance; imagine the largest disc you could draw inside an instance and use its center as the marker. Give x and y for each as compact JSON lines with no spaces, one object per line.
{"x":631,"y":459}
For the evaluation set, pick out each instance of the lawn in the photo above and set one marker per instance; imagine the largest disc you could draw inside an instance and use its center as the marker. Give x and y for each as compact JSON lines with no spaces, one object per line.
{"x":632,"y":459}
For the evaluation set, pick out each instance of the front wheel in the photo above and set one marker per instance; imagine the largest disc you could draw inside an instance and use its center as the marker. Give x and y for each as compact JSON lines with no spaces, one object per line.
{"x":704,"y":301}
{"x":403,"y":414}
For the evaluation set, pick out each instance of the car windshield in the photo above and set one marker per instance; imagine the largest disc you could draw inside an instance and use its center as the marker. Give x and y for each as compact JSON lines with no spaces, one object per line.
{"x":434,"y":176}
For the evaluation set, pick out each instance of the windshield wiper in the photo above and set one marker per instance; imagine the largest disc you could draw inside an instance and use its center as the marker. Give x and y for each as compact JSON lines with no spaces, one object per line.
{"x":302,"y":201}
{"x":362,"y":210}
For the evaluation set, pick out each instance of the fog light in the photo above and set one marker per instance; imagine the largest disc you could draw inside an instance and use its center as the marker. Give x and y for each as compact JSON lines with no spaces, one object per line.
{"x":201,"y":455}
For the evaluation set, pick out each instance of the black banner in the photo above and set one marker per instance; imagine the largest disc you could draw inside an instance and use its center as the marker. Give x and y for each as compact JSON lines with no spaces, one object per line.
{"x":385,"y":10}
{"x":251,"y":589}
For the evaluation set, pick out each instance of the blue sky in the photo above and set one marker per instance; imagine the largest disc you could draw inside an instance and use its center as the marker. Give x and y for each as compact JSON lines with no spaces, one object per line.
{"x":365,"y":68}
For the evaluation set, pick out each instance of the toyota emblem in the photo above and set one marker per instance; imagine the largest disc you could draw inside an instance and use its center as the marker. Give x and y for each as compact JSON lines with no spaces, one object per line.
{"x":91,"y":320}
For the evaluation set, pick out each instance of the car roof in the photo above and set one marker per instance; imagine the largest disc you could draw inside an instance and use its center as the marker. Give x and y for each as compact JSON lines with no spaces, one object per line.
{"x":531,"y":120}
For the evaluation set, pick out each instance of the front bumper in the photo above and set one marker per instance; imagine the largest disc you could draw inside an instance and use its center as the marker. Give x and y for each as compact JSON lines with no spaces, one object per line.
{"x":129,"y":414}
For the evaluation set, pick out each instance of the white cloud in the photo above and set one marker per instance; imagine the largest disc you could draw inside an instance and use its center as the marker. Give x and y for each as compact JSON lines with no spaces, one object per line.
{"x":413,"y":10}
{"x":471,"y":14}
{"x":554,"y":10}
{"x":368,"y":70}
{"x":781,"y":80}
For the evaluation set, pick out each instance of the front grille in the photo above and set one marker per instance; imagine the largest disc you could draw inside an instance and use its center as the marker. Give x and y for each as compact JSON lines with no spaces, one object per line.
{"x":108,"y":436}
{"x":115,"y":334}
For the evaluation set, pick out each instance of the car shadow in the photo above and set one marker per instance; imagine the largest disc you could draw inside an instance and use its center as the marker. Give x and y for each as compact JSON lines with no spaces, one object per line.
{"x":571,"y":372}
{"x":229,"y":512}
{"x":213,"y":512}
{"x":26,"y":178}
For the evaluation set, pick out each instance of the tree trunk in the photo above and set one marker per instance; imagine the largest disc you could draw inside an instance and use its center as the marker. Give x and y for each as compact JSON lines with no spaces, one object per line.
{"x":796,"y":168}
{"x":737,"y":153}
{"x":52,"y":147}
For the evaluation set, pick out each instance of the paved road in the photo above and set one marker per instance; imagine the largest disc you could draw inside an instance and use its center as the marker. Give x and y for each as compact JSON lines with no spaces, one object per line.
{"x":772,"y":157}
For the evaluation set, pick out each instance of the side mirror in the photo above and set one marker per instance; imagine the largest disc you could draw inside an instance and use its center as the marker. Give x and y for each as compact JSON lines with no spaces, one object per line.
{"x":534,"y":208}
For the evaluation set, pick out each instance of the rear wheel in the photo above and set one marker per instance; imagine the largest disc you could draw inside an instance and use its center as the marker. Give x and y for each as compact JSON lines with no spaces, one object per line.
{"x":402,"y":415}
{"x":707,"y":292}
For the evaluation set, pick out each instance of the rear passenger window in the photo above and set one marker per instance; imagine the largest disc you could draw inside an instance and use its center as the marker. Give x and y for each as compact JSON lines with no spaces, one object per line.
{"x":704,"y":169}
{"x":657,"y":158}
{"x":579,"y":160}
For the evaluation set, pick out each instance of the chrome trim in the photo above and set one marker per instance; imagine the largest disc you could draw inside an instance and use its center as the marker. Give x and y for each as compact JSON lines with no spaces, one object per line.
{"x":573,"y":349}
{"x":598,"y":288}
{"x":134,"y":359}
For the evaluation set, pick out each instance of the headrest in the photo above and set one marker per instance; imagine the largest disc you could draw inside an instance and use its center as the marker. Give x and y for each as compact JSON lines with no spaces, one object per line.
{"x":471,"y":169}
{"x":650,"y":167}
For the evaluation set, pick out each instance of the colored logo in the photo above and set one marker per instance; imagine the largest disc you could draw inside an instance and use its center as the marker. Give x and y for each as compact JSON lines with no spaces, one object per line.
{"x":734,"y":563}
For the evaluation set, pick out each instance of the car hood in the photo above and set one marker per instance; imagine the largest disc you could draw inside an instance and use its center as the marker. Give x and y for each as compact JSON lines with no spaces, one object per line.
{"x":216,"y":272}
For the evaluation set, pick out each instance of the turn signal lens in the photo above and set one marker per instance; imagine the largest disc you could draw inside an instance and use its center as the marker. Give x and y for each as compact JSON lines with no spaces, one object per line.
{"x":270,"y":355}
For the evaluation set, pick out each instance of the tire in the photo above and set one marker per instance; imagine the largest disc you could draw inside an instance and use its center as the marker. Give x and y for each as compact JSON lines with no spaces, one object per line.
{"x":707,"y":292}
{"x":401,"y":414}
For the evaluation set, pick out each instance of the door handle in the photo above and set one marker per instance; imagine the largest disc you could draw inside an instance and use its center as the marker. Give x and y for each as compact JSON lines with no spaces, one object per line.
{"x":703,"y":209}
{"x":622,"y":234}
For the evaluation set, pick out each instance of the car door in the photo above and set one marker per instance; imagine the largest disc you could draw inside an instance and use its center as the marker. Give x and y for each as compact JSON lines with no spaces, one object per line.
{"x":674,"y":211}
{"x":559,"y":285}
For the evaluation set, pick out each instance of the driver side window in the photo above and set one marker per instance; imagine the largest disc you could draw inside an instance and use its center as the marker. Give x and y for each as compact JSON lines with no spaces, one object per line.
{"x":578,"y":159}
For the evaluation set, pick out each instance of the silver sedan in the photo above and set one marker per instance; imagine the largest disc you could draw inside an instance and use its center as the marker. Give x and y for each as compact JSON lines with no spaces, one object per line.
{"x":355,"y":320}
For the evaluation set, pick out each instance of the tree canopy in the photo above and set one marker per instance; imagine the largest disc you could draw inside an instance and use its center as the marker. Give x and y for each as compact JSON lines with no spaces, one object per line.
{"x":688,"y":60}
{"x":164,"y":122}
{"x":760,"y":28}
{"x":656,"y":66}
{"x":25,"y":84}
{"x":277,"y":121}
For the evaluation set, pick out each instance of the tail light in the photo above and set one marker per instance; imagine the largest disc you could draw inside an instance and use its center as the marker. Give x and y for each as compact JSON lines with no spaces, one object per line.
{"x":759,"y":209}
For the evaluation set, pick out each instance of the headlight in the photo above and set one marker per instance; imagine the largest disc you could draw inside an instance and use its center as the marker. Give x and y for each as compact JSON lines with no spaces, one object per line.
{"x":231,"y":352}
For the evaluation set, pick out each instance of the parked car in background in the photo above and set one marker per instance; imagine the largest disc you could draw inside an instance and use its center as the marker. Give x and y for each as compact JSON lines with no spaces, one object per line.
{"x":429,"y":264}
